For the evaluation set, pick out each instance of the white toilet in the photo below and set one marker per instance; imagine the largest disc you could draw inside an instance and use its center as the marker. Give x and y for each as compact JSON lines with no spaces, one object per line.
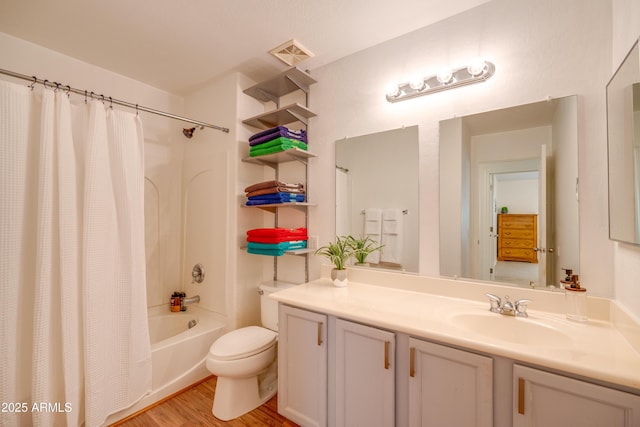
{"x":245,"y":362}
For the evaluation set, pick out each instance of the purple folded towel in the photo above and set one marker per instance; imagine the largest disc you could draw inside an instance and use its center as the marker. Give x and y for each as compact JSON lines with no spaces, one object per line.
{"x":276,"y":132}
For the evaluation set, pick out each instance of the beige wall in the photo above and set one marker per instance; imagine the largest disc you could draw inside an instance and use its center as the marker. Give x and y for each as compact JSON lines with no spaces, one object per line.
{"x":541,"y":49}
{"x":546,"y":48}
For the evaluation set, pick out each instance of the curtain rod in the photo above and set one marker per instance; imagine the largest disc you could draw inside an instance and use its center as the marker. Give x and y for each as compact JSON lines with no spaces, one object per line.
{"x":94,"y":95}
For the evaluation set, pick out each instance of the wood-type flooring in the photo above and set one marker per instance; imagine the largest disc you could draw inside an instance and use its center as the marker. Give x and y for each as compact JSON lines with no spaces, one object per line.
{"x":192,"y":407}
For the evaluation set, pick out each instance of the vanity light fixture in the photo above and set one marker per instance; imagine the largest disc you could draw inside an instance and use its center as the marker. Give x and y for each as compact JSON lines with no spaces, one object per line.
{"x":444,"y":76}
{"x":477,"y":71}
{"x":417,"y":83}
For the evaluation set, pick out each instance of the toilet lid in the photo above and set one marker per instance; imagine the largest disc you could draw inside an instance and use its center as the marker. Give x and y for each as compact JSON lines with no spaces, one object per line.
{"x":242,"y":342}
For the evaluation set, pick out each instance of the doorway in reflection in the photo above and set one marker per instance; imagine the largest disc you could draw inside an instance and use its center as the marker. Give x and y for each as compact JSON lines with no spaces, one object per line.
{"x":514,"y":193}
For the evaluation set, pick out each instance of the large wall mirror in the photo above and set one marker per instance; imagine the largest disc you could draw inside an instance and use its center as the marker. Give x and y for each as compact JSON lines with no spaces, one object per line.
{"x":508,"y":194}
{"x":623,"y":126}
{"x":377,"y":194}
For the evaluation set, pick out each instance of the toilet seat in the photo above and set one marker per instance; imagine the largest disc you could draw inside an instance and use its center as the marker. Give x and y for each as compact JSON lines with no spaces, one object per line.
{"x":243,"y":342}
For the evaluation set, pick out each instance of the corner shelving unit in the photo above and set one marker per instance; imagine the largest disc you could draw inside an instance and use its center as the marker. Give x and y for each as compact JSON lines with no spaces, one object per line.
{"x":273,"y":90}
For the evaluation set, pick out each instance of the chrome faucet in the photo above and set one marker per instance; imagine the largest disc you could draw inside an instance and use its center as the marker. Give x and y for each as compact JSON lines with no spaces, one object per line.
{"x":508,"y":308}
{"x":184,"y":302}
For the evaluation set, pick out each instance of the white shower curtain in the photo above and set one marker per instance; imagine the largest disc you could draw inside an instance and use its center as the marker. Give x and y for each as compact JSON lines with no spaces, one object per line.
{"x":73,"y":333}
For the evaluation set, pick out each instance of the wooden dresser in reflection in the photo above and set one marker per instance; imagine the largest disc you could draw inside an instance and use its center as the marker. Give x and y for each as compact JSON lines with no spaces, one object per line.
{"x":517,"y":237}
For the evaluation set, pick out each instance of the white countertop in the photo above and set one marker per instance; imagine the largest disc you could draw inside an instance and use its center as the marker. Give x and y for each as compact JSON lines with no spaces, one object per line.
{"x":594,"y":349}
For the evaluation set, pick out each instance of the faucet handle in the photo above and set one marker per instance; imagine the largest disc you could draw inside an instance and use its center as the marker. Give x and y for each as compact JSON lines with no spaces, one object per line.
{"x":521,"y":307}
{"x":495,"y":302}
{"x":197,"y":273}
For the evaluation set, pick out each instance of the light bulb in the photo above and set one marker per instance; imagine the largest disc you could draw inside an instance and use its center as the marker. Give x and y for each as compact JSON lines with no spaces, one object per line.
{"x":476,"y":67}
{"x":392,"y":90}
{"x":444,"y":75}
{"x":417,"y":82}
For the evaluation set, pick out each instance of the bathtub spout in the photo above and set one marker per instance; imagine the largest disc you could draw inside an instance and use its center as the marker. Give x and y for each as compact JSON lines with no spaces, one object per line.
{"x":184,"y":302}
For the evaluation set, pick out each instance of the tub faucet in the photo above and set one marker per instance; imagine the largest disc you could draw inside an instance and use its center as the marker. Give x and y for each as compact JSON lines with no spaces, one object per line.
{"x":184,"y":302}
{"x":517,"y":308}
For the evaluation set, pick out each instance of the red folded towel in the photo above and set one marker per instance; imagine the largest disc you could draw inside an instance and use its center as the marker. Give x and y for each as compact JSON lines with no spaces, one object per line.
{"x":276,"y":235}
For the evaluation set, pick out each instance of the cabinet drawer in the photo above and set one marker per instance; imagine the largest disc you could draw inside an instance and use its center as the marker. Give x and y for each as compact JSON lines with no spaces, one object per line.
{"x":517,"y":221}
{"x":517,"y":243}
{"x":516,"y":254}
{"x":509,"y":233}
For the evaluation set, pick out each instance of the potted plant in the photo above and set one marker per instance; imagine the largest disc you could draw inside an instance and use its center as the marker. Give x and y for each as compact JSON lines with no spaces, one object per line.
{"x":338,"y":253}
{"x":362,"y":247}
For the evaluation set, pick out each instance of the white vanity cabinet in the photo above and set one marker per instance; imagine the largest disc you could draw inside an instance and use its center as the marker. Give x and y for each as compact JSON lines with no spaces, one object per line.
{"x":364,"y":389}
{"x":302,"y":366}
{"x":448,"y":386}
{"x":545,"y":399}
{"x":338,"y":372}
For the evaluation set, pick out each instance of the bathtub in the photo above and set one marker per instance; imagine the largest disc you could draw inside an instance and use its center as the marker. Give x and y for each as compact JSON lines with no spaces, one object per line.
{"x":178,"y":352}
{"x":177,"y":349}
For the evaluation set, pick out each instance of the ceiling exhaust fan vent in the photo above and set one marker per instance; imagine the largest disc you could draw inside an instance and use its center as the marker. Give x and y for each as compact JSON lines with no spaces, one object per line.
{"x":291,"y":52}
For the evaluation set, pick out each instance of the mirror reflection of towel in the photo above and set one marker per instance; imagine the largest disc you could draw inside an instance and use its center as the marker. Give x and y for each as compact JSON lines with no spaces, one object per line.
{"x":373,"y":229}
{"x":392,"y":233}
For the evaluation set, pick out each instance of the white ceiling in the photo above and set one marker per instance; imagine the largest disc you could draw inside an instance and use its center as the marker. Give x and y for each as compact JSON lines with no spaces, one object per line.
{"x":177,"y":45}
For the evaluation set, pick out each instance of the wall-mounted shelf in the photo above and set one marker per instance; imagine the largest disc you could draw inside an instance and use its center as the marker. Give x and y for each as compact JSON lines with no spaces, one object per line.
{"x":282,"y":116}
{"x":296,"y":252}
{"x":301,"y":251}
{"x":284,"y":83}
{"x":272,"y":207}
{"x":273,"y":160}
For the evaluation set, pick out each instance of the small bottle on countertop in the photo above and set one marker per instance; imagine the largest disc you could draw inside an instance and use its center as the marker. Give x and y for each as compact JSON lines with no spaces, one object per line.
{"x":567,"y":280}
{"x":175,"y":302}
{"x":576,"y":299}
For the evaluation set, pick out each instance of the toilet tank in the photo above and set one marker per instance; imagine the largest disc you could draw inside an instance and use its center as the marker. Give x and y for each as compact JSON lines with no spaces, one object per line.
{"x":268,"y":306}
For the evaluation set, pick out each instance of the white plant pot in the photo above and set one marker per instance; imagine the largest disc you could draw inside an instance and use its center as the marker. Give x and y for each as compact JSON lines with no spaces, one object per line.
{"x":339,"y":278}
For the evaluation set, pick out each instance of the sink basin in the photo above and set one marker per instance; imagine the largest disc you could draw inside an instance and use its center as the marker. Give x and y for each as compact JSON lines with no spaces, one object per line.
{"x":515,"y":330}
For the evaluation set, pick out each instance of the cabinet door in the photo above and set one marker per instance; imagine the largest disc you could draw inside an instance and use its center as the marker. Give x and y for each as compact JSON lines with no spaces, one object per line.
{"x":365,"y":380}
{"x":449,"y":387}
{"x":302,"y":366}
{"x":550,"y":400}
